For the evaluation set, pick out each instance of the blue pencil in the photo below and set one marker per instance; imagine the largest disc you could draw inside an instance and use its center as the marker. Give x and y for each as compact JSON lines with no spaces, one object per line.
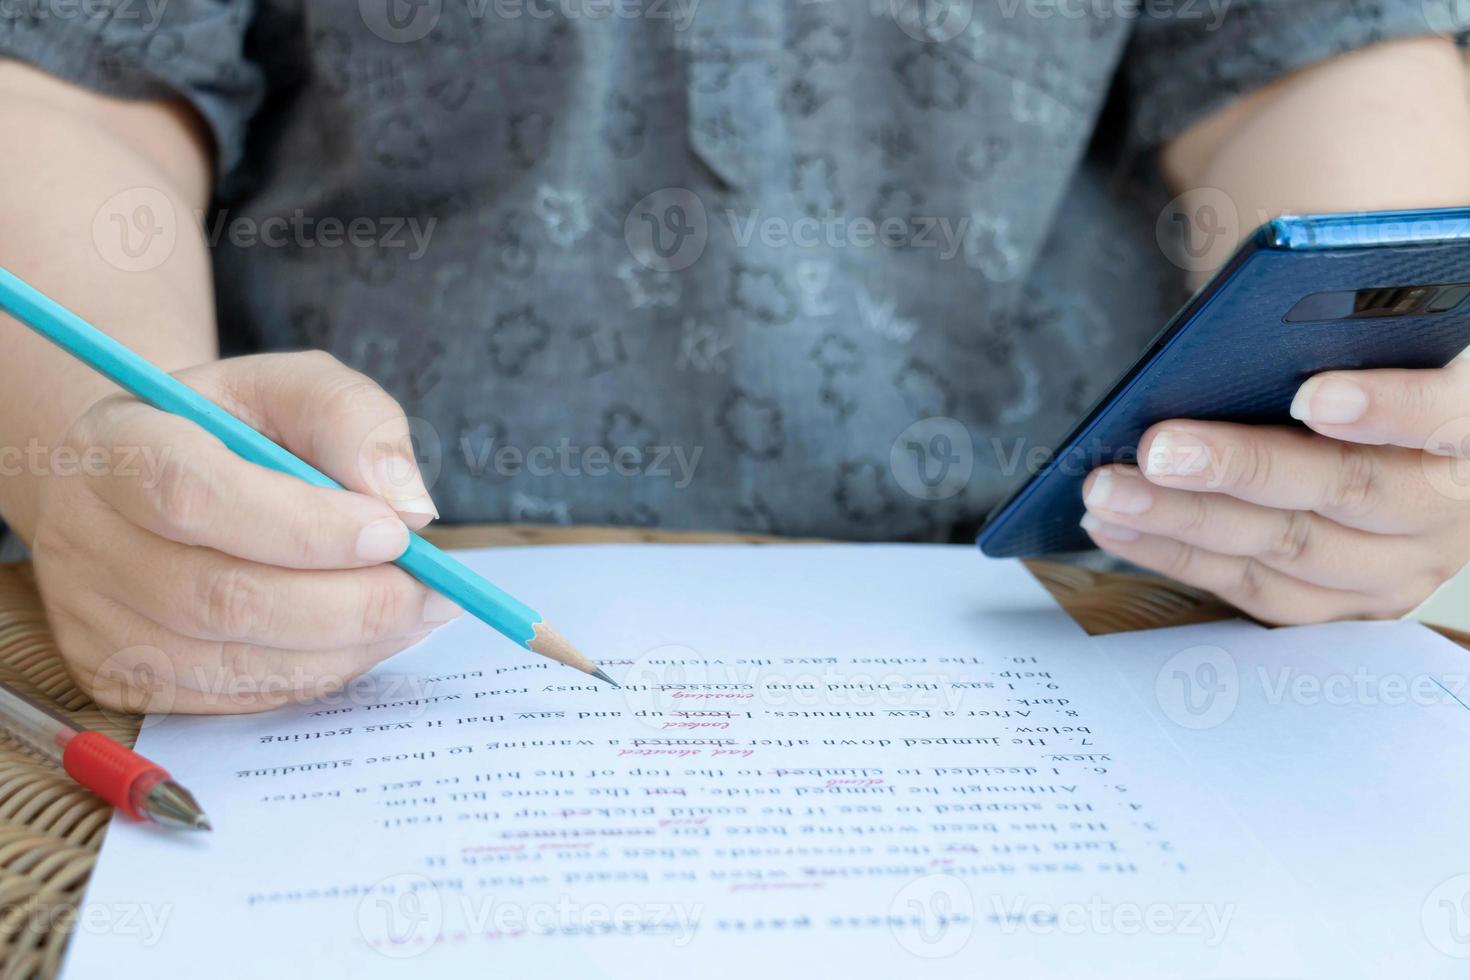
{"x":428,"y":564}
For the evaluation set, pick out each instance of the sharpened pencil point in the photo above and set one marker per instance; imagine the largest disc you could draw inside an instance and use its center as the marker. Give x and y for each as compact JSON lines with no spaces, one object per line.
{"x":549,"y":642}
{"x":598,"y":673}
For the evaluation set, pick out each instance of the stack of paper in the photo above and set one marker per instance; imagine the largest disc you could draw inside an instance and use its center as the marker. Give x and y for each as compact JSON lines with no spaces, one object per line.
{"x":842,"y":761}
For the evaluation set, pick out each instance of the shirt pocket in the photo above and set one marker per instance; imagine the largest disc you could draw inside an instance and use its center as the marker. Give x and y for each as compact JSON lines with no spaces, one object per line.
{"x":736,"y":73}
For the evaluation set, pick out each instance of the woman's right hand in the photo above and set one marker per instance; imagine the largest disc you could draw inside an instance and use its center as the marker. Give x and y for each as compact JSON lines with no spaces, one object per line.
{"x":179,"y":577}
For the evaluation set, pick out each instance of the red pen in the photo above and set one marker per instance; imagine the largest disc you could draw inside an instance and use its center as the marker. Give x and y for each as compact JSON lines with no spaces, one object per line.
{"x":122,"y":777}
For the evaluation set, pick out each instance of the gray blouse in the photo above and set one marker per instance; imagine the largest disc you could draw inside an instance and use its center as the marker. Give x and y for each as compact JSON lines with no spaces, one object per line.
{"x":815,"y":267}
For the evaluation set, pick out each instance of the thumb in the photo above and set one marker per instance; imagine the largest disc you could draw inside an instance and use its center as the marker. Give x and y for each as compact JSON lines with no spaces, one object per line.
{"x":337,"y":419}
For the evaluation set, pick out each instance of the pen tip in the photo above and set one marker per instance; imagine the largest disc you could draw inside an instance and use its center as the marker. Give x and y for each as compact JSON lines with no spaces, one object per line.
{"x":170,"y":804}
{"x":598,"y":673}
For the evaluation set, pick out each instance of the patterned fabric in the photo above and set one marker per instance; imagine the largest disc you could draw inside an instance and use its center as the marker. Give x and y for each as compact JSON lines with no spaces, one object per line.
{"x":830,"y":268}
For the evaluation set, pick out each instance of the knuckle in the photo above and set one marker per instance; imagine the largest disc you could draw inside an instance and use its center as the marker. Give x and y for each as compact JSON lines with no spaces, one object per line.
{"x":234,"y":603}
{"x":385,"y":605}
{"x":96,"y":422}
{"x":306,"y":530}
{"x":237,"y":672}
{"x":320,"y":359}
{"x":352,"y":394}
{"x":96,"y":431}
{"x":1180,"y":562}
{"x":1247,"y":465}
{"x":1250,"y":586}
{"x":1417,"y":398}
{"x":1293,"y":538}
{"x":50,"y":545}
{"x":1353,"y":486}
{"x":1195,"y":516}
{"x":183,"y":497}
{"x":86,"y":429}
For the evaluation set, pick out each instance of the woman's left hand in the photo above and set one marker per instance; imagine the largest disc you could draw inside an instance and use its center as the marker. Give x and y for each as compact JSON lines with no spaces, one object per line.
{"x":1364,"y":516}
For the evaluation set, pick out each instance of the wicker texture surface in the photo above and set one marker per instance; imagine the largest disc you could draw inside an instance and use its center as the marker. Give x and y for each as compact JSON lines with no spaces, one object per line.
{"x":50,"y":829}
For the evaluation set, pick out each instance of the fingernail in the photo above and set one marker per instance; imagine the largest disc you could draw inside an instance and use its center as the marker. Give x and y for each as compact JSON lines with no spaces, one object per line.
{"x":1092,"y":525}
{"x":416,"y":513}
{"x":382,"y":541}
{"x":1176,"y":454}
{"x":1329,"y":401}
{"x":399,"y":483}
{"x":1121,"y":496}
{"x":438,"y":609}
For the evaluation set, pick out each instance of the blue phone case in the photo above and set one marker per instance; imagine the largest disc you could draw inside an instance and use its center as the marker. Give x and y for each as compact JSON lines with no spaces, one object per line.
{"x":1230,"y":355}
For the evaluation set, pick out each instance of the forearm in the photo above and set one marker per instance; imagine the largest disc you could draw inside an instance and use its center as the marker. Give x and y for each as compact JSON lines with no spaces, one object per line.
{"x":1353,"y":513}
{"x":1384,"y":128}
{"x":76,"y":152}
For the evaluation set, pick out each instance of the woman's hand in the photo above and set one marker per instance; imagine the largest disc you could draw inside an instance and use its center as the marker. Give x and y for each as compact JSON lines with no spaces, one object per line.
{"x":1364,"y":516}
{"x":179,"y":577}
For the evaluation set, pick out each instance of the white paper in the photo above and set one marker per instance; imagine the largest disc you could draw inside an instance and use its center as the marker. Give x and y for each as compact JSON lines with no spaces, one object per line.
{"x":863,"y":761}
{"x":1344,"y":750}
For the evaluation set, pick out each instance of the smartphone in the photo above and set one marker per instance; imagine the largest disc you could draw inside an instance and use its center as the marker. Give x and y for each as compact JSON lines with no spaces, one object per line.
{"x":1302,"y":295}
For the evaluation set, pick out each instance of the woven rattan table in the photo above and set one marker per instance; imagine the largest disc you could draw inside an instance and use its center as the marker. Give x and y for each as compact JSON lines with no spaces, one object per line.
{"x":50,"y":829}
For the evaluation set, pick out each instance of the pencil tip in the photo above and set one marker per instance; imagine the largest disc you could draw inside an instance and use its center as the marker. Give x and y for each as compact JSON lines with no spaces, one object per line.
{"x":549,"y":642}
{"x":598,"y":673}
{"x":202,"y":823}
